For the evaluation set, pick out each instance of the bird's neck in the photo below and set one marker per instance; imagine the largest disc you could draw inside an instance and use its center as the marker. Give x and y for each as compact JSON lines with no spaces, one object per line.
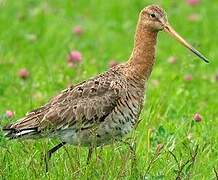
{"x":143,"y":54}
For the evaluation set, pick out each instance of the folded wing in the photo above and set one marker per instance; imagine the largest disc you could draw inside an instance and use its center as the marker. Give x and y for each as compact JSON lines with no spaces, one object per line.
{"x":81,"y":107}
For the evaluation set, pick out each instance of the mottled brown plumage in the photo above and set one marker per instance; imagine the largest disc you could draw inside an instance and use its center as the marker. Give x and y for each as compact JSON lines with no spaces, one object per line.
{"x":107,"y":106}
{"x":91,"y":112}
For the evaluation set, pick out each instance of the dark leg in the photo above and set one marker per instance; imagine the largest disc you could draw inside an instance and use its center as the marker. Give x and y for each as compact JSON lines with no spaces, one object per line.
{"x":89,"y":155}
{"x":132,"y":148}
{"x":50,"y":152}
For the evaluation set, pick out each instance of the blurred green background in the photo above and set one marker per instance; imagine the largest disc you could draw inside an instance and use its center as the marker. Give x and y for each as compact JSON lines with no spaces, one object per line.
{"x":38,"y":35}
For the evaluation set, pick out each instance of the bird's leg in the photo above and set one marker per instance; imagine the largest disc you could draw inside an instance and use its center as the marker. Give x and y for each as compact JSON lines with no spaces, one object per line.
{"x":132,"y":150}
{"x":50,"y":152}
{"x":89,"y":155}
{"x":131,"y":146}
{"x":126,"y":142}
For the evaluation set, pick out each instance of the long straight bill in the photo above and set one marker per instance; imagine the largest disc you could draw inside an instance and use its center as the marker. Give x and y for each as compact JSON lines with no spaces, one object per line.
{"x":174,"y":34}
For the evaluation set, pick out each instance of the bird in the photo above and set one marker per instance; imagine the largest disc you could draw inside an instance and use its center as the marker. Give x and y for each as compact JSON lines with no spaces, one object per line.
{"x":106,"y":107}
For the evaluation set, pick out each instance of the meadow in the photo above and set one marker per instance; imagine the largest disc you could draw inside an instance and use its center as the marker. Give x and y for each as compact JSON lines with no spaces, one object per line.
{"x":168,"y":142}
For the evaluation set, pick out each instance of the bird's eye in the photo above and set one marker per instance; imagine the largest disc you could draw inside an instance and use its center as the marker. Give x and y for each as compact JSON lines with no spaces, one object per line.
{"x":152,"y":15}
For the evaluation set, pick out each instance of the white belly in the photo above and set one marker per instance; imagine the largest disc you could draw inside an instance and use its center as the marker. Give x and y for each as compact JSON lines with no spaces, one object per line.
{"x":116,"y":125}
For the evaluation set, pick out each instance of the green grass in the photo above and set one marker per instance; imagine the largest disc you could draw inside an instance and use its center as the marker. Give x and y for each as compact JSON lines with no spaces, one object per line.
{"x":167,"y":117}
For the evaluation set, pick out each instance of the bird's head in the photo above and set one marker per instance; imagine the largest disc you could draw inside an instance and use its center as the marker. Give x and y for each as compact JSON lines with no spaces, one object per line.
{"x":154,"y":18}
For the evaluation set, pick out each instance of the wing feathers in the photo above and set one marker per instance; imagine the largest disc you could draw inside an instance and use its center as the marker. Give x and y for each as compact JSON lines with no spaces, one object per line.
{"x":86,"y":105}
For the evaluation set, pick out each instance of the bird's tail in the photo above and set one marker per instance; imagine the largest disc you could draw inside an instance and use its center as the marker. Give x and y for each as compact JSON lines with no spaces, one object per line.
{"x":13,"y":133}
{"x":26,"y":127}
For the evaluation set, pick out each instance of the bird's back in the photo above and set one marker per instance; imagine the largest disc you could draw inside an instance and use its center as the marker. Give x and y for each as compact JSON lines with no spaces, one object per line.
{"x":94,"y":110}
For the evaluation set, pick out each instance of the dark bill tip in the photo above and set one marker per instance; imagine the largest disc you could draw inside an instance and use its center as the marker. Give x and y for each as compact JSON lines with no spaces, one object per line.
{"x":199,"y":55}
{"x":174,"y":34}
